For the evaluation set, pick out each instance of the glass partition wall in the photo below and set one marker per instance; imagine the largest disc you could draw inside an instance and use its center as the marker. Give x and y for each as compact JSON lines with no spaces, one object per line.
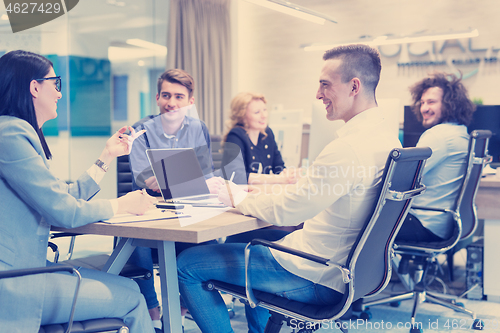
{"x":108,"y":54}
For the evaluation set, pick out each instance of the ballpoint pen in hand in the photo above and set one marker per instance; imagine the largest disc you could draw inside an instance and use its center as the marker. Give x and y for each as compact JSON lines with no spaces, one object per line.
{"x":229,"y":188}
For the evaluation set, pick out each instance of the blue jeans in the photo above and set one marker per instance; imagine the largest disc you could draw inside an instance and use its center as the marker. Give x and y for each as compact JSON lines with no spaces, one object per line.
{"x":144,"y":257}
{"x":226,"y":263}
{"x":101,"y":295}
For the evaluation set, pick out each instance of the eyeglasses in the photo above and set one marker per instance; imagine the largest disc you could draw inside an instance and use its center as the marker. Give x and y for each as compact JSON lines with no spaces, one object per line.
{"x":58,"y":81}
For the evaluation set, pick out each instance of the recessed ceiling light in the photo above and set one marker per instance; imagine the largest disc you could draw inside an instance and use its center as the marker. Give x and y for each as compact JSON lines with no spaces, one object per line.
{"x":294,"y":10}
{"x":116,"y":3}
{"x":385,"y":40}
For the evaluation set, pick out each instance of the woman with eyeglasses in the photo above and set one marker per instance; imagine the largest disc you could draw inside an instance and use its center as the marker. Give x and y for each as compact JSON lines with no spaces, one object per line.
{"x":32,"y":199}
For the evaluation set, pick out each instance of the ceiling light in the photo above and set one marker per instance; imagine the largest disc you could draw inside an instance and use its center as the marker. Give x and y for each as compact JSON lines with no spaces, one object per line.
{"x":116,"y":53}
{"x":147,"y":45}
{"x":293,"y":10}
{"x":385,"y":40}
{"x":116,"y":3}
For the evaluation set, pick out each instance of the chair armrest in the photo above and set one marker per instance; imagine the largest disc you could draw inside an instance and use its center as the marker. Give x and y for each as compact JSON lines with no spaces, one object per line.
{"x":37,"y":270}
{"x":288,"y":250}
{"x":63,"y":234}
{"x":431,"y":208}
{"x":71,"y":243}
{"x":442,"y":210}
{"x":48,"y":269}
{"x":252,"y":300}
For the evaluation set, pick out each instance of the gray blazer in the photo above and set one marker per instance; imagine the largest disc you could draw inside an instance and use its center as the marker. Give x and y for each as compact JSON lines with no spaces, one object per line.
{"x":31,"y":200}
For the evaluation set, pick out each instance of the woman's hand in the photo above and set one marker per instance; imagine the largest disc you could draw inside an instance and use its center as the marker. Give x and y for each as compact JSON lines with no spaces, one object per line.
{"x":119,"y":144}
{"x":290,"y":176}
{"x":215,"y":184}
{"x":136,"y":202}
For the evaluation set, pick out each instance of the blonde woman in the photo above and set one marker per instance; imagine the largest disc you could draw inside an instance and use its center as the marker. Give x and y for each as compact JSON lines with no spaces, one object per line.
{"x":249,"y":134}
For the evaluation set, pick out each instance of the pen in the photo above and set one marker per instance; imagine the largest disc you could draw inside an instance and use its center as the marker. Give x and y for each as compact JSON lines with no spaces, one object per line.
{"x":232,"y":177}
{"x":229,"y":190}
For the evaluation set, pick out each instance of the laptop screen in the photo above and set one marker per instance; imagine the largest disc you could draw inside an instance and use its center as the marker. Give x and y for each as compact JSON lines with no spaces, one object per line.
{"x":177,"y":172}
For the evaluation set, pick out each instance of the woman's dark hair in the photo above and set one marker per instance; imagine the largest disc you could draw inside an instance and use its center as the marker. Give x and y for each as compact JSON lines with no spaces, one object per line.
{"x":457,"y":107}
{"x":17,"y":70}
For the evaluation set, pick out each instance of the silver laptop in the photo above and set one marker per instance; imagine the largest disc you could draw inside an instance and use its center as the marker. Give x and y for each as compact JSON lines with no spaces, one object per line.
{"x":179,"y":175}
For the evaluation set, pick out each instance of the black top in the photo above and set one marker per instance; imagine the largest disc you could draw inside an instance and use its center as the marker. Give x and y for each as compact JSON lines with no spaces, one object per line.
{"x":265,"y":152}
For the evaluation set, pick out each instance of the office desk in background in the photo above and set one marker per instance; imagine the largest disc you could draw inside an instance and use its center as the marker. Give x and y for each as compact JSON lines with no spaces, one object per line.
{"x":162,"y":234}
{"x":488,"y":208}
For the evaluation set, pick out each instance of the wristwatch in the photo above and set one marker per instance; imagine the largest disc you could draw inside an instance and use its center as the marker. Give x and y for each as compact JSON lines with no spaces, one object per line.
{"x":104,"y":167}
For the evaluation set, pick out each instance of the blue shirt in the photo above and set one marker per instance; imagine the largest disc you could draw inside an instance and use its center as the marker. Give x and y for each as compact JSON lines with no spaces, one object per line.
{"x":442,"y":175}
{"x":192,"y":134}
{"x":265,"y":152}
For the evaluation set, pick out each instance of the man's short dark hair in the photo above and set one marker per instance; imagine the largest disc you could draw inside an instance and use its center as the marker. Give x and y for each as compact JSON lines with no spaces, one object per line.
{"x":456,"y":105}
{"x":358,"y":60}
{"x":177,"y":76}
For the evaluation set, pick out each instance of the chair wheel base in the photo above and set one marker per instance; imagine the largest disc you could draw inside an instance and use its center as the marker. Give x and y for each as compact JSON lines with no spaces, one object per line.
{"x":395,"y":304}
{"x":478,"y":325}
{"x":366,"y":315}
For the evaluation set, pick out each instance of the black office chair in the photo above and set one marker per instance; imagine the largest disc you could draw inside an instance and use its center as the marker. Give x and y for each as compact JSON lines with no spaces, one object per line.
{"x":216,"y":148}
{"x":465,"y":217}
{"x":478,"y":143}
{"x":368,"y":267}
{"x":104,"y":325}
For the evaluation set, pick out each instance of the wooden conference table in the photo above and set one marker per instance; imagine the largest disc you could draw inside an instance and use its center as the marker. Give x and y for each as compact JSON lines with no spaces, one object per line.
{"x":163,"y":234}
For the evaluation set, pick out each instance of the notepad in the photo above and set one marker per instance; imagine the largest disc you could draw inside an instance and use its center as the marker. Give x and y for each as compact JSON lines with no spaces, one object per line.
{"x":153,"y":214}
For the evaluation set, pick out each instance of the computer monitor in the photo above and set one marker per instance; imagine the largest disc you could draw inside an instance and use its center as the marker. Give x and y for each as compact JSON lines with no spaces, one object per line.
{"x":412,"y":128}
{"x":486,"y":117}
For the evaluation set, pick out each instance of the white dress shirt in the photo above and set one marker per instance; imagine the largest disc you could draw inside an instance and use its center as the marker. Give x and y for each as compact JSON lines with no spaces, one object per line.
{"x":334,"y":198}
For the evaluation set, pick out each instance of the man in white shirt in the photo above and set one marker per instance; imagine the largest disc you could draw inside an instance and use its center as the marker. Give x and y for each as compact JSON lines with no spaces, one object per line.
{"x":334,"y":199}
{"x":440,"y":102}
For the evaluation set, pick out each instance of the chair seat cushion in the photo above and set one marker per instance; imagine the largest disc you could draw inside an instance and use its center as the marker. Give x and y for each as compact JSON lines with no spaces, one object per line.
{"x":312,"y":311}
{"x":431,"y":245}
{"x":87,"y":326}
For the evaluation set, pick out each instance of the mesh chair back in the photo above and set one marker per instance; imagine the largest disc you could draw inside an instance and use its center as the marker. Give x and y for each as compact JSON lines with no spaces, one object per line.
{"x":370,"y":257}
{"x":478,"y":153}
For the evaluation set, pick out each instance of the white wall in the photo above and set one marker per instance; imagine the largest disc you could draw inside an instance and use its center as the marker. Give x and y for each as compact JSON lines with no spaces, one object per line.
{"x":269,"y":58}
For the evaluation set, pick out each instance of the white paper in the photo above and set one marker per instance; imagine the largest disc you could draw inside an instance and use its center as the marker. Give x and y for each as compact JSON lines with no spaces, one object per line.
{"x":153,"y":214}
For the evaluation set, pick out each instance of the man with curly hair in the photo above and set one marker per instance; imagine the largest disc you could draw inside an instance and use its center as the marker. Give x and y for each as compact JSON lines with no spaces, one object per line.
{"x":441,"y":103}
